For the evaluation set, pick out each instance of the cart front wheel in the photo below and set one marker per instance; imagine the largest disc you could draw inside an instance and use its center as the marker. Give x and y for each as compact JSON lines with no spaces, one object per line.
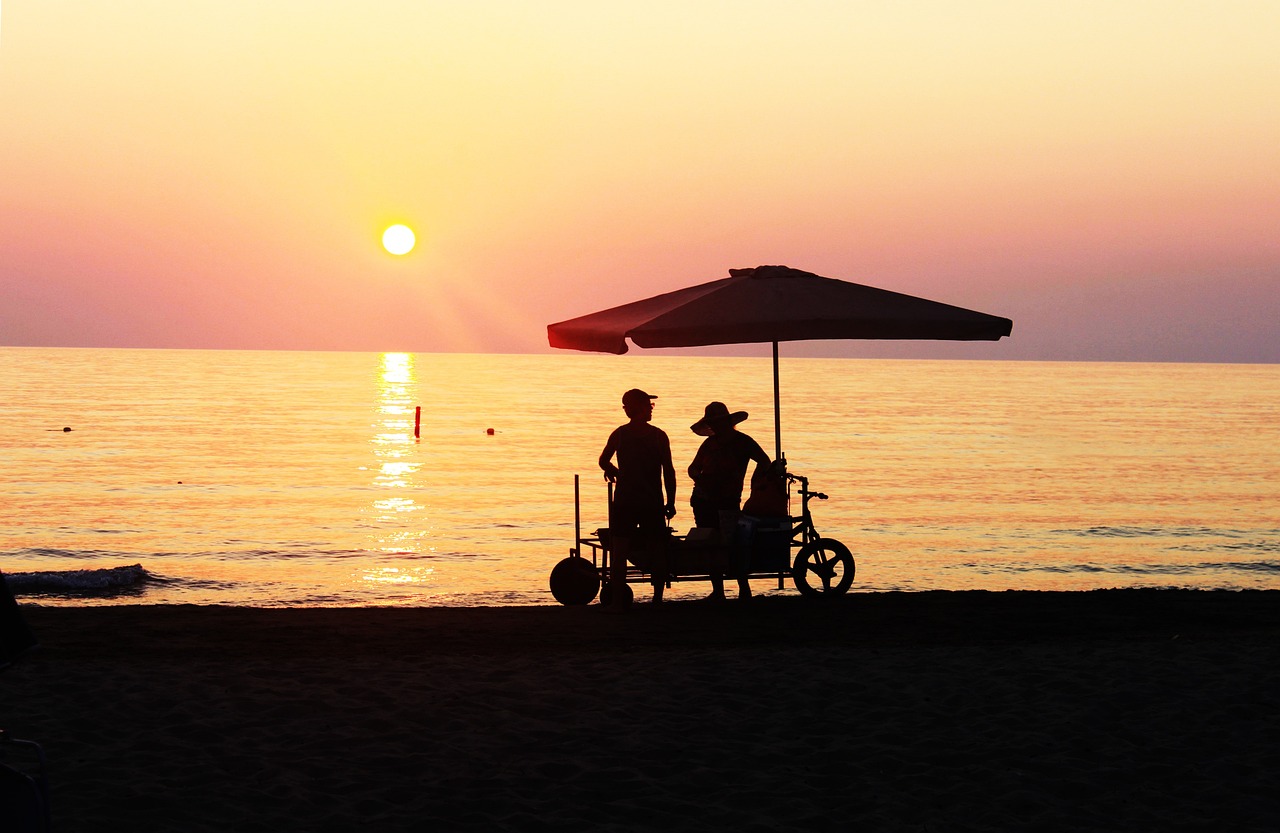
{"x":574,"y":581}
{"x":823,"y":568}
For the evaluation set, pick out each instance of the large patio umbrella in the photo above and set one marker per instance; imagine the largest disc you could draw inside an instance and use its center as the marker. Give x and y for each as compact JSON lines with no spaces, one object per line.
{"x":772,"y":304}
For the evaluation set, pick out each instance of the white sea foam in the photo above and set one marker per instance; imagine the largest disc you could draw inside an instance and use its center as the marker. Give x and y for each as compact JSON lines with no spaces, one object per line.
{"x":79,"y":582}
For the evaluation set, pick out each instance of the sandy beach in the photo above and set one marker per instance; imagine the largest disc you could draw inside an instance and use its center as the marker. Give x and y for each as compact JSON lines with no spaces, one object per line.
{"x":1106,"y":710}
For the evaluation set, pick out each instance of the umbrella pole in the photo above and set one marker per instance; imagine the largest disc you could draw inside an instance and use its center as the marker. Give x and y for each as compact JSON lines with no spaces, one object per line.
{"x":777,"y":414}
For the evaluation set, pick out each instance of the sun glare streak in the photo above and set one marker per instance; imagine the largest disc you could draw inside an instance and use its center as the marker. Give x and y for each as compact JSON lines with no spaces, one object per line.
{"x":394,"y":510}
{"x":397,"y":369}
{"x":398,"y":575}
{"x":468,"y":314}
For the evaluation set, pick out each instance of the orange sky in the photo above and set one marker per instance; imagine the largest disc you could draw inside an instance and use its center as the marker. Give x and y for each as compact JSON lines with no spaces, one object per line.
{"x":218,"y":174}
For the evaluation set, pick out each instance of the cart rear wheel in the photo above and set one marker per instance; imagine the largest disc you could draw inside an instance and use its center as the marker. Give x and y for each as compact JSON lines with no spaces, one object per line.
{"x":823,"y":568}
{"x":574,"y":581}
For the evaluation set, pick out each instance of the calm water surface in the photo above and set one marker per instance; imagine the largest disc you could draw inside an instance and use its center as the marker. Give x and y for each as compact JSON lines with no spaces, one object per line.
{"x":295,"y":479}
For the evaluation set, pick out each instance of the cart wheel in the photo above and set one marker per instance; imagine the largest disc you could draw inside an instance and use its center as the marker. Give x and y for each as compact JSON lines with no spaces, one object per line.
{"x":823,"y":568}
{"x":606,"y":593}
{"x":574,"y":581}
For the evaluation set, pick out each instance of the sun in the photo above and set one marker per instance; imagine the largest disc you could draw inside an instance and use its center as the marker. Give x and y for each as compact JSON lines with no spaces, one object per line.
{"x":398,"y":240}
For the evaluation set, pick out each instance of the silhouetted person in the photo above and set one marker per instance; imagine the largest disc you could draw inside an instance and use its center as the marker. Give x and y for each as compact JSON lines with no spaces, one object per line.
{"x":638,"y":514}
{"x":768,"y":497}
{"x":718,"y":471}
{"x":15,"y":636}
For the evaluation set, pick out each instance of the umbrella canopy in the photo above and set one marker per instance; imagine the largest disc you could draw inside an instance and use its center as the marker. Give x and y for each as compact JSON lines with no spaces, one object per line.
{"x":772,"y":304}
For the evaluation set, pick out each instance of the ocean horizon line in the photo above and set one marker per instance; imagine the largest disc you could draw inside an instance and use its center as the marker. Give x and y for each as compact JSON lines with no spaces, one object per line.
{"x":707,"y":352}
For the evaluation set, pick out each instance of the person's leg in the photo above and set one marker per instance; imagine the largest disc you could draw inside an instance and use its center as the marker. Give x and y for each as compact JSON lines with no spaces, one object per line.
{"x":658,"y":540}
{"x":622,"y":531}
{"x":618,"y":571}
{"x":735,"y":554}
{"x":653,"y":537}
{"x":717,"y":565}
{"x":706,"y":515}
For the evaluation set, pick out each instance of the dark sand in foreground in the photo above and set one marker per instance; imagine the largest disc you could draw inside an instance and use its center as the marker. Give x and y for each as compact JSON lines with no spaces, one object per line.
{"x":1126,"y":710}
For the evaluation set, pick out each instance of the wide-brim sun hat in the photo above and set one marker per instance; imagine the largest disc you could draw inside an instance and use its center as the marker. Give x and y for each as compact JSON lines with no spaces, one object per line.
{"x":716,"y":414}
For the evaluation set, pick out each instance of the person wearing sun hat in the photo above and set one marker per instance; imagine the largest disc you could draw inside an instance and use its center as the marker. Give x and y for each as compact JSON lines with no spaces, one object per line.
{"x":644,"y":471}
{"x":718,"y":471}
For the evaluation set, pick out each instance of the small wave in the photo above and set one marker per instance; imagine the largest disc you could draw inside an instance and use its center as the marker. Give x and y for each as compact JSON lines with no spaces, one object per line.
{"x":1255,"y":546}
{"x":106,"y":581}
{"x":1150,"y":532}
{"x":1260,"y":566}
{"x":1267,"y":547}
{"x":1131,"y":569}
{"x":78,"y":555}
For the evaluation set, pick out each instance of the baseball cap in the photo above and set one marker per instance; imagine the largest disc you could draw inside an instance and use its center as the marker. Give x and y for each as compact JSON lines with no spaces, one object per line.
{"x":635,"y":396}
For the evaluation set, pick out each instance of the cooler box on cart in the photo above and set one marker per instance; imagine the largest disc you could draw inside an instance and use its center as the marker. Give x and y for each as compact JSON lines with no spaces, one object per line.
{"x":763,"y":544}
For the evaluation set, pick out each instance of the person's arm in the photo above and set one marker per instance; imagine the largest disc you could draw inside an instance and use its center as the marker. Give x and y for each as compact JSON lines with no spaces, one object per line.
{"x":695,"y":468}
{"x":669,"y":479}
{"x":761,"y":458}
{"x":606,"y":457}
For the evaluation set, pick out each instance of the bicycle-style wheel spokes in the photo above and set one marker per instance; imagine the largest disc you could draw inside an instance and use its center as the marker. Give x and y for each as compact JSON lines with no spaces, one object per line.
{"x":823,"y":568}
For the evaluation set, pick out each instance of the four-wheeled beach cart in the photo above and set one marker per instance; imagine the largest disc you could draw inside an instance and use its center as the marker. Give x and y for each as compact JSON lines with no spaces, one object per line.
{"x":759,"y":547}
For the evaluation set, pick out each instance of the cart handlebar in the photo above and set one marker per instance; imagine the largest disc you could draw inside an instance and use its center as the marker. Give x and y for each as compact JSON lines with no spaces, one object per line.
{"x":804,"y":486}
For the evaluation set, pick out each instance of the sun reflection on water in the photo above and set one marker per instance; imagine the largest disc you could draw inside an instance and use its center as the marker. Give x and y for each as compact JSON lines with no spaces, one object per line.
{"x":396,"y":514}
{"x":397,"y":575}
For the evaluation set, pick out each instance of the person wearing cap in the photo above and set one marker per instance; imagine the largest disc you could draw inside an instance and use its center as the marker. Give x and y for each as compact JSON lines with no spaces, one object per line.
{"x":718,"y":471}
{"x":643,"y":475}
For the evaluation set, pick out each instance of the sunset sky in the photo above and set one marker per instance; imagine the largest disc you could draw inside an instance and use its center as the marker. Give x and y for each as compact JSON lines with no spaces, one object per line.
{"x":218,"y":173}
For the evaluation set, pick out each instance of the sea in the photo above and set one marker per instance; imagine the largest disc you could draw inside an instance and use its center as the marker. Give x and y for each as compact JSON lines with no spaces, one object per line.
{"x":329,"y":479}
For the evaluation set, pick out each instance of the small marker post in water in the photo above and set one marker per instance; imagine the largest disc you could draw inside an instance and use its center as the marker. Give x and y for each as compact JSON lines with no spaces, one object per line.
{"x":417,"y":421}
